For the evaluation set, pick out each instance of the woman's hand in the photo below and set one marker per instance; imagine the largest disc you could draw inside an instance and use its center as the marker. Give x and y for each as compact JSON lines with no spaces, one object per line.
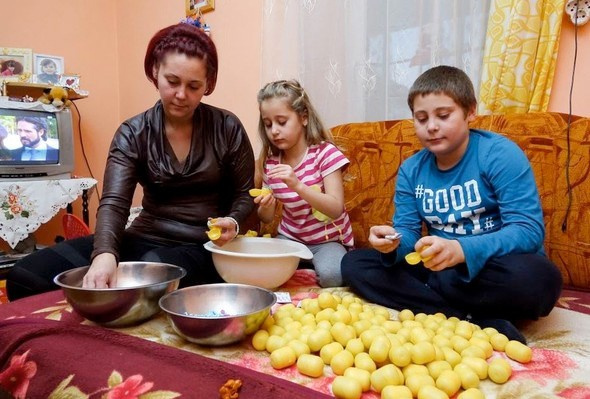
{"x":379,"y":242}
{"x":228,"y":230}
{"x":102,"y":273}
{"x":440,"y":252}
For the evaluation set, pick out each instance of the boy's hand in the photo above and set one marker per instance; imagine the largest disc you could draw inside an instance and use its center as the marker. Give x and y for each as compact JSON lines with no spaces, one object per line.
{"x":379,"y":242}
{"x":442,"y":252}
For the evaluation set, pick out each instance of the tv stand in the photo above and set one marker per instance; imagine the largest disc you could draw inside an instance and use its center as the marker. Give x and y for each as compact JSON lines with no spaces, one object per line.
{"x":27,"y":204}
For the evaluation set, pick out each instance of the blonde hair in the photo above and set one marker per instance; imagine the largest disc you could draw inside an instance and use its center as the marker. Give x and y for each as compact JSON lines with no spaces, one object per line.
{"x":298,"y":101}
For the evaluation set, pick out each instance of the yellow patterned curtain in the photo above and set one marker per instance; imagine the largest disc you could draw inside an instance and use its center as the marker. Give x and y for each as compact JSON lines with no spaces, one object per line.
{"x":520,"y":55}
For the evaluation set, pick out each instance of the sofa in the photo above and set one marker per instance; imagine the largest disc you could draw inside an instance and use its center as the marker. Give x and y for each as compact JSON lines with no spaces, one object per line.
{"x":376,"y":150}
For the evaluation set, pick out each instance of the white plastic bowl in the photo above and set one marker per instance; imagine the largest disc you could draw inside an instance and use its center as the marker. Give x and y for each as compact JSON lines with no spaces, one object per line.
{"x":258,"y":261}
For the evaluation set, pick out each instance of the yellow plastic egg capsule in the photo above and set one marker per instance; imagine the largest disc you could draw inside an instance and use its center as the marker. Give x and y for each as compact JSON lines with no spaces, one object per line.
{"x":310,"y":365}
{"x":214,"y":232}
{"x":282,"y":358}
{"x":255,"y":192}
{"x":413,"y":258}
{"x":396,"y":392}
{"x":499,"y":370}
{"x":346,"y":388}
{"x":518,"y":351}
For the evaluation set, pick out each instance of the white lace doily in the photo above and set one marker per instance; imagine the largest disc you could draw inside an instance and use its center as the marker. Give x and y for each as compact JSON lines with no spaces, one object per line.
{"x":26,"y":205}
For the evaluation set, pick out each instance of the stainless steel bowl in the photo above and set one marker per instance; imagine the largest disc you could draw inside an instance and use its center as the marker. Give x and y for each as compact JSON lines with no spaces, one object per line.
{"x":140,"y":285}
{"x":217,"y":314}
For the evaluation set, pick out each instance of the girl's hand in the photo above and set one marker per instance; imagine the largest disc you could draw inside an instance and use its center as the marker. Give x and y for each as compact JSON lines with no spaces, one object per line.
{"x":265,"y":200}
{"x":286,"y":174}
{"x":379,"y":242}
{"x":102,"y":273}
{"x":443,"y":253}
{"x":228,"y":230}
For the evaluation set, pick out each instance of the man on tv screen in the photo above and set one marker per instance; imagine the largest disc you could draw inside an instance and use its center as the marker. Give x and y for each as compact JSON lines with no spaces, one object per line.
{"x":33,"y":136}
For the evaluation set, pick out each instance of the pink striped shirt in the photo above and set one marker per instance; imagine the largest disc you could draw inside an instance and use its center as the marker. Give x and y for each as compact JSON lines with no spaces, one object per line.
{"x":298,"y":222}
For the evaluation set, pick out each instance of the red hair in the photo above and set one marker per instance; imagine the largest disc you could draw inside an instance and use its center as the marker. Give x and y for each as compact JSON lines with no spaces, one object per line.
{"x":183,"y":39}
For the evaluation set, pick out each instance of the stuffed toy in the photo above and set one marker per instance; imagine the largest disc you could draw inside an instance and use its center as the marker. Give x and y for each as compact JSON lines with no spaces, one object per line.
{"x":56,"y":96}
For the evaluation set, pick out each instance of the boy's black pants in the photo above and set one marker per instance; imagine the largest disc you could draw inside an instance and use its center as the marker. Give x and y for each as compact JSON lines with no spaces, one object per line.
{"x":513,"y":287}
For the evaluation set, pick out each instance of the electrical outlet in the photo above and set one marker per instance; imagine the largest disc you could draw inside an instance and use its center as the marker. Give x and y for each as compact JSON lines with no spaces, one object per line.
{"x":578,"y":11}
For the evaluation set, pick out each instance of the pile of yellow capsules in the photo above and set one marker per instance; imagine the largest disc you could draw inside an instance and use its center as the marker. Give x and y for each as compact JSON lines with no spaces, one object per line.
{"x":417,"y":356}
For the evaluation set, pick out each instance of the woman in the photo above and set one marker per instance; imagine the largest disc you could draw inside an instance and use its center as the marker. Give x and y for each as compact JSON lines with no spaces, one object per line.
{"x":194,"y":162}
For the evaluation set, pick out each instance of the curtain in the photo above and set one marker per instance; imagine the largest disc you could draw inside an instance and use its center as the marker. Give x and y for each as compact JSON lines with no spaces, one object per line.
{"x":358,"y":59}
{"x":520,"y":55}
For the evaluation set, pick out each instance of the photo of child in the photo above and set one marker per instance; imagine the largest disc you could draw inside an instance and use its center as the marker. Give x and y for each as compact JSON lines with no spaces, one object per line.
{"x":11,"y":68}
{"x":48,"y":68}
{"x":15,"y":64}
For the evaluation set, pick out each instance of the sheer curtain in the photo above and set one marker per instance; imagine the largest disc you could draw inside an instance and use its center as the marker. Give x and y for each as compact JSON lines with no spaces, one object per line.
{"x":357,"y":59}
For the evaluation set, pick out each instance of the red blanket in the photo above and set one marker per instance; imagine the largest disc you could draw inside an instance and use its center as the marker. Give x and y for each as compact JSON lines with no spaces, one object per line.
{"x":39,"y":357}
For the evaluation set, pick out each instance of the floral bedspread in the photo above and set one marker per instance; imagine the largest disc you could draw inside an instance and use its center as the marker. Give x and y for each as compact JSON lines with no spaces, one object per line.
{"x":560,"y":367}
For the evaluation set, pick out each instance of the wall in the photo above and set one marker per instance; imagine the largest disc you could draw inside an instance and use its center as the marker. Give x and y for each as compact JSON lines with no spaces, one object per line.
{"x":85,"y":34}
{"x":560,"y":91}
{"x":104,"y":41}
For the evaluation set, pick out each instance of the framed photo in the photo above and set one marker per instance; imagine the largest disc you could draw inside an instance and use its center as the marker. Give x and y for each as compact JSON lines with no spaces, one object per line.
{"x":71,"y":81}
{"x":48,"y":68}
{"x":15,"y":64}
{"x":194,"y":7}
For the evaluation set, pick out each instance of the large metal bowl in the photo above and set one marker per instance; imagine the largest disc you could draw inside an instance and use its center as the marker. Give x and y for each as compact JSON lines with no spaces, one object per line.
{"x":135,"y":298}
{"x":217,"y":314}
{"x":259,"y":261}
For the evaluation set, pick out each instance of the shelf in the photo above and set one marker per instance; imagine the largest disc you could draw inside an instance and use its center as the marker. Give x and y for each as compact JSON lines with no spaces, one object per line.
{"x":35,"y":90}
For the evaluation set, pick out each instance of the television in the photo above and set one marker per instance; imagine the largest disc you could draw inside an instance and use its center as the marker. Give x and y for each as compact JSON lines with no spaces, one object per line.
{"x":36,"y":141}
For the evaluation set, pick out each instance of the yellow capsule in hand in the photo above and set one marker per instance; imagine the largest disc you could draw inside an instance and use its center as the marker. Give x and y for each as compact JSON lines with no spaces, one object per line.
{"x":255,"y":192}
{"x":214,"y":233}
{"x":413,"y":258}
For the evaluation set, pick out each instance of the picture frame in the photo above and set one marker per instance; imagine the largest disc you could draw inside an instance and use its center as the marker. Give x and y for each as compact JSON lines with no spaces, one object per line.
{"x":48,"y":68}
{"x":70,"y":81}
{"x":193,"y":7}
{"x":15,"y":64}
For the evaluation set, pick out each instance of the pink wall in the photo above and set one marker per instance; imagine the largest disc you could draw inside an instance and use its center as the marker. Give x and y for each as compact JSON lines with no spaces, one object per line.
{"x":560,"y":91}
{"x":104,"y":41}
{"x":86,"y":36}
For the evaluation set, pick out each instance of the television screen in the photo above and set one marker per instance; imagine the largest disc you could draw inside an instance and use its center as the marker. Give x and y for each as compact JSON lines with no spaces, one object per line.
{"x":36,"y":141}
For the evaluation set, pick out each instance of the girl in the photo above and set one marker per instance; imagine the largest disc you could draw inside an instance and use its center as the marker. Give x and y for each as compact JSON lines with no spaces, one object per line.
{"x":303,"y":168}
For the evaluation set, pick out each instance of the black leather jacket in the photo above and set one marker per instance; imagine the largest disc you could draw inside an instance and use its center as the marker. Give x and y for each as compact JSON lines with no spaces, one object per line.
{"x":177,"y":198}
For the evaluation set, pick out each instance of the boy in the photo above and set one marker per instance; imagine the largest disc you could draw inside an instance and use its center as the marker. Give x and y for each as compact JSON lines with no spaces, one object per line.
{"x":474,"y":190}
